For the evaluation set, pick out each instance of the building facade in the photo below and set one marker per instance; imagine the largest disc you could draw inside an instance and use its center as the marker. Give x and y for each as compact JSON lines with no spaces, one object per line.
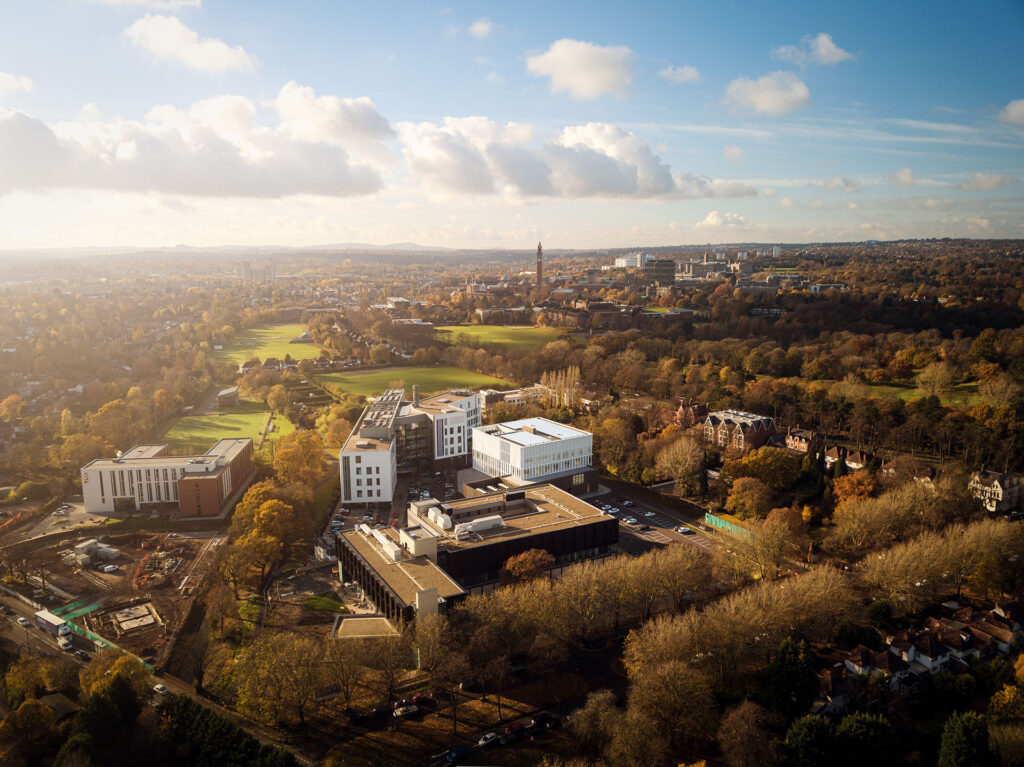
{"x":738,"y":430}
{"x":398,"y":436}
{"x":531,"y":449}
{"x":146,"y":476}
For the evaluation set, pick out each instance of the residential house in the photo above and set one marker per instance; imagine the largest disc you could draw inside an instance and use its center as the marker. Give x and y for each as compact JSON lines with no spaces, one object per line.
{"x":739,"y":430}
{"x":998,"y":493}
{"x":803,"y":440}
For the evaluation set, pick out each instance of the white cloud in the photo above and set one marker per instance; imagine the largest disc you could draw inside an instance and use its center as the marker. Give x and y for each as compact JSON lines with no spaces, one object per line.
{"x":714,"y":220}
{"x":166,"y":38}
{"x":481,"y":28}
{"x":733,"y":153}
{"x":986,"y":181}
{"x":1013,"y":112}
{"x":585,"y":70}
{"x":216,"y":147}
{"x":813,"y":49}
{"x":156,"y":5}
{"x":13,"y":84}
{"x":680,"y":75}
{"x":845,"y":183}
{"x":776,"y":93}
{"x":474,"y":155}
{"x":903,"y":177}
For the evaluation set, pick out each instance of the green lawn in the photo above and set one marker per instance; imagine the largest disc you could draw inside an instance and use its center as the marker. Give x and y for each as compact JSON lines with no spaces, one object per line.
{"x":268,"y":341}
{"x":197,"y":433}
{"x":505,"y":337}
{"x":328,"y":601}
{"x":430,"y":380}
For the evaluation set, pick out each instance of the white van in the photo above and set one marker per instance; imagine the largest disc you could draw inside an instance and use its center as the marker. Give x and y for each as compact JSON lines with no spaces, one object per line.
{"x":64,"y":644}
{"x":111,"y":569}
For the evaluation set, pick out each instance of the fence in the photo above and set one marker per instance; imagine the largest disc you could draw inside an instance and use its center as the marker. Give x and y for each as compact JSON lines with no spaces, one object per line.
{"x":727,"y":523}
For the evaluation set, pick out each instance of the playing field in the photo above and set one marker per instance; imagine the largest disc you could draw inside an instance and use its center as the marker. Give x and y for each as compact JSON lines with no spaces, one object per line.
{"x":430,"y":380}
{"x":268,"y":341}
{"x":197,"y":433}
{"x":504,"y":336}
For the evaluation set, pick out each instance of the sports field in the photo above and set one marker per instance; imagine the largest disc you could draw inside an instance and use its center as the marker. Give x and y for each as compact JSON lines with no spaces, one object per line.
{"x":430,"y":380}
{"x":197,"y":433}
{"x":268,"y":341}
{"x":504,"y":336}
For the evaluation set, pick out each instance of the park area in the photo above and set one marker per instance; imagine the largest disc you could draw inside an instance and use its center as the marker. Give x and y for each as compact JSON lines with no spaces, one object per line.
{"x":197,"y":433}
{"x":430,"y":379}
{"x":268,"y":341}
{"x":503,"y":337}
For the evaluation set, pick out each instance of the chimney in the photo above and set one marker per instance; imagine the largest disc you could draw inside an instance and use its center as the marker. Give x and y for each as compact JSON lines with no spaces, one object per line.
{"x":415,"y":395}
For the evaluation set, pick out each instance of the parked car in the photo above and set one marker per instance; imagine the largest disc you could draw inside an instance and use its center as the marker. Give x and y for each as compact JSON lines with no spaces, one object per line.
{"x":82,"y":655}
{"x":544,"y":719}
{"x":421,"y":698}
{"x":684,"y":530}
{"x":406,"y":711}
{"x":159,"y":689}
{"x":627,"y":502}
{"x":455,"y":753}
{"x":23,"y":621}
{"x":648,"y":513}
{"x":64,"y":644}
{"x":488,"y":740}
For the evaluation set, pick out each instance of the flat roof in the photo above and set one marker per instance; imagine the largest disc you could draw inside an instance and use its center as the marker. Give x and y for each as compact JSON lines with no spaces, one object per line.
{"x":547,"y":508}
{"x":533,"y":431}
{"x":444,"y":401}
{"x":141,"y":456}
{"x":407,"y":576}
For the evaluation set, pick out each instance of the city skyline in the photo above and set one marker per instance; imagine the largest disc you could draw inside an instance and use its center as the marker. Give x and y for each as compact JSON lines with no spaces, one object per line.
{"x":171,"y":122}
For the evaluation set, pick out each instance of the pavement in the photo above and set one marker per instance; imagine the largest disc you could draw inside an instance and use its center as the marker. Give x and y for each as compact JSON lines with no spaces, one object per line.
{"x":660,"y":518}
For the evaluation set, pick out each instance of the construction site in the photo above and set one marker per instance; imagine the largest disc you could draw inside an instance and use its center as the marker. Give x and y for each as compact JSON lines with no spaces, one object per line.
{"x":131,"y":590}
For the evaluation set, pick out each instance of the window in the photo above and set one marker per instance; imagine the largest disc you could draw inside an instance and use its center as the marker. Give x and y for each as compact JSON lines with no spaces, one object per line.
{"x":359,"y":459}
{"x":359,"y":493}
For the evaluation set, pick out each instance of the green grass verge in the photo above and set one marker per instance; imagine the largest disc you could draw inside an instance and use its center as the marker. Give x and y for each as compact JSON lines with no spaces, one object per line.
{"x":328,"y":602}
{"x":430,"y":380}
{"x":197,"y":433}
{"x":504,"y":337}
{"x":268,"y":341}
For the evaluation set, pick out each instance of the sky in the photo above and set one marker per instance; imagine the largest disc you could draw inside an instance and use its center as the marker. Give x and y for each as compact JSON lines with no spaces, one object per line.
{"x":495,"y":125}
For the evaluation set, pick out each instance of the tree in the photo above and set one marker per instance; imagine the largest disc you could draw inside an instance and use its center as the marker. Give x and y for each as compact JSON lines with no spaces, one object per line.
{"x":27,"y":734}
{"x":278,"y":398}
{"x":678,"y":702}
{"x":860,"y":484}
{"x":594,"y":724}
{"x":749,"y":498}
{"x":866,"y":739}
{"x":965,"y":742}
{"x":97,"y":676}
{"x":451,"y":672}
{"x":10,"y":407}
{"x":810,"y":742}
{"x":683,"y":461}
{"x":299,"y":457}
{"x":338,"y":431}
{"x":936,"y":378}
{"x":745,"y":738}
{"x":531,"y":563}
{"x":775,"y":468}
{"x":790,"y":681}
{"x":546,"y":653}
{"x":1007,"y":705}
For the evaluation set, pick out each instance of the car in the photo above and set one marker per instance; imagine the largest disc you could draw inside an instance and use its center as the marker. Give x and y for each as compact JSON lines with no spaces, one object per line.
{"x":543,"y":719}
{"x":455,"y":753}
{"x":159,"y":689}
{"x":487,"y":740}
{"x":514,"y":727}
{"x":510,"y":737}
{"x":405,"y":711}
{"x":631,"y":521}
{"x":684,"y":530}
{"x":644,"y":527}
{"x":23,"y":621}
{"x":64,"y":644}
{"x":648,"y":513}
{"x":82,"y":655}
{"x":421,"y":698}
{"x":627,"y":502}
{"x":6,"y":610}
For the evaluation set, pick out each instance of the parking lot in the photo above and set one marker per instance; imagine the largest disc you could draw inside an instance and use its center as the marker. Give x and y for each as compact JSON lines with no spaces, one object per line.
{"x":642,"y":526}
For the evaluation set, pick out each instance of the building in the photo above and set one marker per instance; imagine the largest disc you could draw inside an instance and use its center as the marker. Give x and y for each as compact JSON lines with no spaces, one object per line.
{"x":661,"y":271}
{"x":738,"y":430}
{"x":998,"y":493}
{"x":146,"y":476}
{"x":540,"y":267}
{"x":450,"y":548}
{"x":803,"y":440}
{"x":633,"y":261}
{"x":394,"y":435}
{"x":227,"y":397}
{"x":532,"y":450}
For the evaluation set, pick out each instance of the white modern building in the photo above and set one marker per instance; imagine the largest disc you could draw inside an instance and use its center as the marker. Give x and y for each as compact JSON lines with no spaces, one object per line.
{"x":633,"y":261}
{"x":531,"y":450}
{"x":395,"y":435}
